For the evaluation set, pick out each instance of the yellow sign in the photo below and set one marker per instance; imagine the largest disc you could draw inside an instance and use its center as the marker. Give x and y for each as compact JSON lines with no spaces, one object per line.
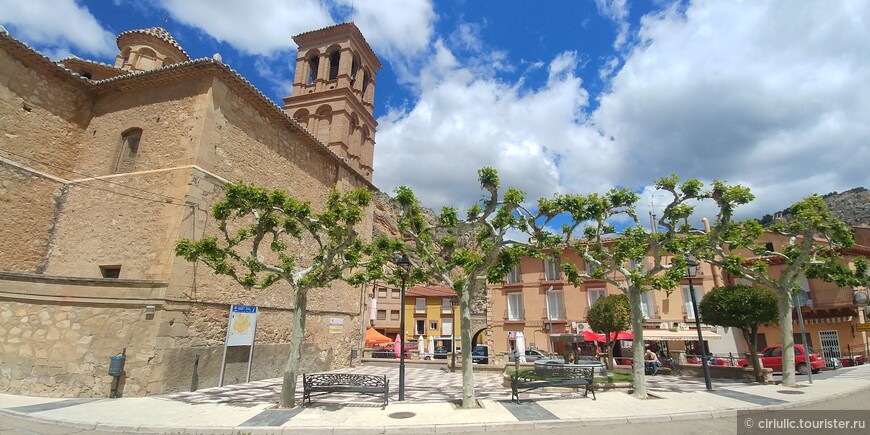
{"x":863,"y":327}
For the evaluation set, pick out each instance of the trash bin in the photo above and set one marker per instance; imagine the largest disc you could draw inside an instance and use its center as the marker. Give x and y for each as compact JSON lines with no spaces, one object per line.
{"x":116,"y":365}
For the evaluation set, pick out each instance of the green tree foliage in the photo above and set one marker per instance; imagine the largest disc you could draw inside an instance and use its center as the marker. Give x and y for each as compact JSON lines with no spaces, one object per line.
{"x":463,"y":252}
{"x":743,"y":307}
{"x":609,"y":316}
{"x":815,"y":237}
{"x":260,"y":232}
{"x":636,"y":255}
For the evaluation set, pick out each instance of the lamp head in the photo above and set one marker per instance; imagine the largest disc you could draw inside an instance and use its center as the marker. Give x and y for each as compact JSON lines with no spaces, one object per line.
{"x":404,"y":263}
{"x":691,"y":266}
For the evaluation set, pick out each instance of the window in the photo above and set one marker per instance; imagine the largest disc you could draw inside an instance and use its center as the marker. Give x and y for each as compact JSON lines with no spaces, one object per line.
{"x":446,"y":305}
{"x":382,"y":314}
{"x":394,"y":314}
{"x":555,"y":305}
{"x":313,"y":66}
{"x":590,"y":268}
{"x":647,"y":304}
{"x":382,"y":293}
{"x":110,"y":271}
{"x":420,"y":307}
{"x":420,"y":327}
{"x":687,"y":300}
{"x":803,"y":297}
{"x":129,"y":149}
{"x":365,"y":82}
{"x":515,"y":306}
{"x":354,"y":68}
{"x":433,"y":325}
{"x":594,"y":294}
{"x":513,"y":277}
{"x":334,"y":59}
{"x":447,"y":327}
{"x":552,"y":269}
{"x":395,"y":293}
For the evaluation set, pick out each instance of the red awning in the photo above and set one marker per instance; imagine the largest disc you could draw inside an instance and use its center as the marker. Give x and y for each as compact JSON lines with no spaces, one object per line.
{"x":622,"y":335}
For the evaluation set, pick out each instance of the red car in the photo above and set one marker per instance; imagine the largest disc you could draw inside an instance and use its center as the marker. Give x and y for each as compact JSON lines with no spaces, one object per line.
{"x":771,"y":357}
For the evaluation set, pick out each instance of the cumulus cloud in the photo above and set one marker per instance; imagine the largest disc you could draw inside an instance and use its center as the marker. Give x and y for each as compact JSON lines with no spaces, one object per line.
{"x":759,"y":92}
{"x":255,"y":26}
{"x":57,"y":27}
{"x":617,"y":11}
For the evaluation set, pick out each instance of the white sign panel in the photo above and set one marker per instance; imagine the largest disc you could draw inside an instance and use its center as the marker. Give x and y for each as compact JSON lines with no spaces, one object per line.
{"x":242,"y":326}
{"x":336,"y":325}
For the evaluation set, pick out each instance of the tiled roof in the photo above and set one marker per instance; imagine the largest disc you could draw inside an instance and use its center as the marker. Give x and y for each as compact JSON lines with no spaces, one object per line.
{"x":431,"y":291}
{"x":157,"y":32}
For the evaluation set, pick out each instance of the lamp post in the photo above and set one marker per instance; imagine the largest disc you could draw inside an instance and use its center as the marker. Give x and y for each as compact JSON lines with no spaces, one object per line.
{"x":404,"y":266}
{"x":691,"y":270}
{"x":453,"y":302}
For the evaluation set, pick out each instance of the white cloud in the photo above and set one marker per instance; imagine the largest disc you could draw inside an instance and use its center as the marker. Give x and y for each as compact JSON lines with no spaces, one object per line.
{"x":617,"y":11}
{"x":394,"y":28}
{"x":254,"y":26}
{"x":760,"y":92}
{"x":464,"y":121}
{"x":55,"y":27}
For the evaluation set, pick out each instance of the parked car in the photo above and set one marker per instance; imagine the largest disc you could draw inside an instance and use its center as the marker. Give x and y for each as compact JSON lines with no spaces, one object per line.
{"x":480,"y":354}
{"x":771,"y":357}
{"x":532,"y":355}
{"x":440,"y":352}
{"x":387,"y":350}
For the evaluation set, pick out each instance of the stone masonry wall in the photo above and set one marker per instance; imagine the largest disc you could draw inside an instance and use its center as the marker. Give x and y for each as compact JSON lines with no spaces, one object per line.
{"x":60,"y":350}
{"x":27,"y":211}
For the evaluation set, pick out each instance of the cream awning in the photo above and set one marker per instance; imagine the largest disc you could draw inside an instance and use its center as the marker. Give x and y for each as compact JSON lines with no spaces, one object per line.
{"x":668,"y":335}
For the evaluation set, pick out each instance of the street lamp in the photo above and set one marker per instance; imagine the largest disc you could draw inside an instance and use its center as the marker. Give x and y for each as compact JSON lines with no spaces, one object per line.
{"x":405,"y":266}
{"x":453,"y":302}
{"x":691,"y":270}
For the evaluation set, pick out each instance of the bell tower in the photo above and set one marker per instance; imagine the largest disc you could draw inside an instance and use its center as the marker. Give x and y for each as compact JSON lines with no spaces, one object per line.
{"x":333,"y":92}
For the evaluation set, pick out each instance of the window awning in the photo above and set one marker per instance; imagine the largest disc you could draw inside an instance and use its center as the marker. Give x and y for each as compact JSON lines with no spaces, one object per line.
{"x":570,"y":338}
{"x":668,"y":335}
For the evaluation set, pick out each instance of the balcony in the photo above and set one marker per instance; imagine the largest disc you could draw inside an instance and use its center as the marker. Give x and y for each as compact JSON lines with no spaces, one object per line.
{"x":520,"y":319}
{"x":554,"y":317}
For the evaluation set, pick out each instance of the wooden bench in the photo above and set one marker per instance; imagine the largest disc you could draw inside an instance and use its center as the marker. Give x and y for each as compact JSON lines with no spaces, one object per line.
{"x":553,"y":375}
{"x":325,"y":383}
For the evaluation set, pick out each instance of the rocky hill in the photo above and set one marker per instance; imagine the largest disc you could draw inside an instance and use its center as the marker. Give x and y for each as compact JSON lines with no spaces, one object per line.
{"x":851,"y":206}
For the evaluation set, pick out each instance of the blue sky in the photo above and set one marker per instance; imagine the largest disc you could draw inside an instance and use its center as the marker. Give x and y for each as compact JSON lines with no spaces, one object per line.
{"x":559,"y":96}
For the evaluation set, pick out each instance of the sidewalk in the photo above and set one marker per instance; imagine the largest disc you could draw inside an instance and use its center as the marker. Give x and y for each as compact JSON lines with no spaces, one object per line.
{"x":249,"y":408}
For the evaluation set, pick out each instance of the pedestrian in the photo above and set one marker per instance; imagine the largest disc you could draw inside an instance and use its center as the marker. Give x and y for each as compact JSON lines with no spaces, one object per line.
{"x":650,"y":362}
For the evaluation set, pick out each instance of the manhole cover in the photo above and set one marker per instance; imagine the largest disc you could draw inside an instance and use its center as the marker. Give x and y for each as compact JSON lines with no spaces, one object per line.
{"x":402,"y":415}
{"x":790,"y":392}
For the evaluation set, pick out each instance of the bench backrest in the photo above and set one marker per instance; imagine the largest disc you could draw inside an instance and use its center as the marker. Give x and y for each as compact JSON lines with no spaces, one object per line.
{"x":326,"y":379}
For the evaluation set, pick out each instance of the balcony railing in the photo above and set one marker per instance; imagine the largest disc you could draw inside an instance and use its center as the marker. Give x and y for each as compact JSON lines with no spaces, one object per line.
{"x":554,"y":316}
{"x":507,"y":317}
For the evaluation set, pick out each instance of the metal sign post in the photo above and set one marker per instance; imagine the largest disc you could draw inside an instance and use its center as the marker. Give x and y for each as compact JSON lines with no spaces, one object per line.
{"x":241,"y":329}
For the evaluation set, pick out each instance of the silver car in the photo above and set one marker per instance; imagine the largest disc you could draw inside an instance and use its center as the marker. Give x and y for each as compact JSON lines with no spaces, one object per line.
{"x":531,"y":355}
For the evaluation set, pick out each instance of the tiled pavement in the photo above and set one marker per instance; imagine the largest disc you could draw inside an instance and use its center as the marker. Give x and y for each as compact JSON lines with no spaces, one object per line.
{"x":421,"y":385}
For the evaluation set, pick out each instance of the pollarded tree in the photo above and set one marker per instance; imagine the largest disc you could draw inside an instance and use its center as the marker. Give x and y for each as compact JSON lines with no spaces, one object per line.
{"x":608,"y":253}
{"x":461,"y":253}
{"x":257,"y":227}
{"x":815,"y":237}
{"x":609,"y":316}
{"x":743,"y":307}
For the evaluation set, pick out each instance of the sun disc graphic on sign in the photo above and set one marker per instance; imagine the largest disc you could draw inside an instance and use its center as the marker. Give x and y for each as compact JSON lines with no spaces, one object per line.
{"x":242,"y":325}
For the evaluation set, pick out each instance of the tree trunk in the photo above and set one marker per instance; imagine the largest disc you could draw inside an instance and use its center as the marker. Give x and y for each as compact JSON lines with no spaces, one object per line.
{"x":291,"y":370}
{"x":609,"y":346}
{"x":468,"y":400}
{"x":751,"y":337}
{"x":637,"y":368}
{"x":784,"y":301}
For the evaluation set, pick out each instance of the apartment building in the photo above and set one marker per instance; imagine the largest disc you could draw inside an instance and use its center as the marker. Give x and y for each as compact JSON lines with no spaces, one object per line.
{"x":431,"y":312}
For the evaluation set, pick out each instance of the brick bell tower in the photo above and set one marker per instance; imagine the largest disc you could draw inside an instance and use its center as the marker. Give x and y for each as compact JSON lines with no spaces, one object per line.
{"x":333,"y":92}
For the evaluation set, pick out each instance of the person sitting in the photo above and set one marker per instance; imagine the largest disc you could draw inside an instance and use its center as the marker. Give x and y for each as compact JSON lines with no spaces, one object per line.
{"x":650,"y":362}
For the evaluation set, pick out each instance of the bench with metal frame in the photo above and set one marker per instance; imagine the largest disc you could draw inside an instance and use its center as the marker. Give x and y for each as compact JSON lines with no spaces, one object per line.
{"x":552,"y":375}
{"x":325,"y":383}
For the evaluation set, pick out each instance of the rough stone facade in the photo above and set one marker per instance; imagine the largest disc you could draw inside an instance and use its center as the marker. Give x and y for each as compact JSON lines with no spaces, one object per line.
{"x":70,"y":212}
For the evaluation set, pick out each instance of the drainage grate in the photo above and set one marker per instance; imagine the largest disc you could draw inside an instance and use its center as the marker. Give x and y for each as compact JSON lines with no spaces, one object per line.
{"x":402,"y":415}
{"x":789,"y":392}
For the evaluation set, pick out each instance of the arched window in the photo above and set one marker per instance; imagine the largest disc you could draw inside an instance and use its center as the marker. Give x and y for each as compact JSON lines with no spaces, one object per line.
{"x":354,"y":68}
{"x":334,"y":58}
{"x":354,"y":123}
{"x":365,"y":85}
{"x":313,"y":66}
{"x":147,"y":59}
{"x":129,"y":149}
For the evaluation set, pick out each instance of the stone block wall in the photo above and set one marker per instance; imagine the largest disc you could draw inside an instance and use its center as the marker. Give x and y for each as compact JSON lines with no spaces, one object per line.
{"x":27,"y":210}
